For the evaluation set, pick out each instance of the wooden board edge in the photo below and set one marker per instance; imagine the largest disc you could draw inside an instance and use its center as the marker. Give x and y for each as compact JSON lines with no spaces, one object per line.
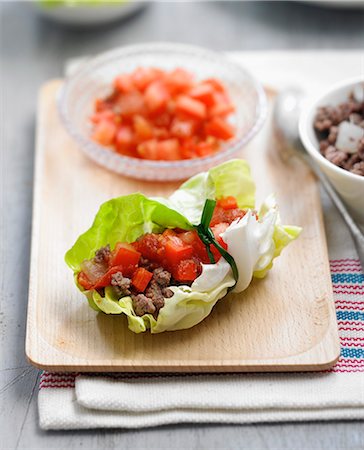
{"x":37,"y":175}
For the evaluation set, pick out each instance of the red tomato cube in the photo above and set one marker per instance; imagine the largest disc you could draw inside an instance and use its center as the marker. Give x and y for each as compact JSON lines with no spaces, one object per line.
{"x":179,"y":80}
{"x":125,"y":139}
{"x":104,"y":132}
{"x":126,"y":257}
{"x":168,"y":150}
{"x":186,"y":271}
{"x":141,"y":279}
{"x":204,"y":93}
{"x":131,"y":103}
{"x":148,"y":149}
{"x":228,"y":202}
{"x":143,"y":76}
{"x":219,"y":128}
{"x":183,"y":128}
{"x":156,"y":97}
{"x":143,"y":128}
{"x":176,"y":250}
{"x":124,"y":83}
{"x":190,"y":107}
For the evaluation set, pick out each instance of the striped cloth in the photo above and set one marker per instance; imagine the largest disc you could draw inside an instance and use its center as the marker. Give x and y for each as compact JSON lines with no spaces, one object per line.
{"x":348,"y":285}
{"x":73,"y":400}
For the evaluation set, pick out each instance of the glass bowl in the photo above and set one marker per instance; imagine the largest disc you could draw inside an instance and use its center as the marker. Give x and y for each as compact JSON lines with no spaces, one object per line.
{"x":94,"y":79}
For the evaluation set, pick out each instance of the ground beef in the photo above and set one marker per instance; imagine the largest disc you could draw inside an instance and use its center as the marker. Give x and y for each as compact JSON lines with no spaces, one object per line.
{"x":332,"y":135}
{"x":142,"y":305}
{"x":337,"y":157}
{"x":148,"y":265}
{"x":121,"y":284}
{"x":162,"y":277}
{"x":358,"y":168}
{"x":154,"y":292}
{"x":324,"y":144}
{"x":103,"y":254}
{"x":326,"y":124}
{"x":167,"y":293}
{"x":361,"y":149}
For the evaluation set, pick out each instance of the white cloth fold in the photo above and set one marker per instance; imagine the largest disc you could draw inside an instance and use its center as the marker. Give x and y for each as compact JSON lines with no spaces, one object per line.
{"x":223,"y":392}
{"x":269,"y":400}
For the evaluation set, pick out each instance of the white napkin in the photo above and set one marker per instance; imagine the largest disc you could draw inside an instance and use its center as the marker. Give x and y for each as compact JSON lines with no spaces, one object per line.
{"x":69,"y":401}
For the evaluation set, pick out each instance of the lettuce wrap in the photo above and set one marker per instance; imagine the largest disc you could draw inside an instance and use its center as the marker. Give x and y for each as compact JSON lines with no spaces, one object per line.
{"x":251,"y":243}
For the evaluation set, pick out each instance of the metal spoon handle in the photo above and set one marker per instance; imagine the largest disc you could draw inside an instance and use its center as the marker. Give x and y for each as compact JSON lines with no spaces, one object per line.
{"x":355,"y":231}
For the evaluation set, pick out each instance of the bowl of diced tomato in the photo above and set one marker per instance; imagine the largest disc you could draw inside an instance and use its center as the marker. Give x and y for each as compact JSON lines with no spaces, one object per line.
{"x":161,"y":111}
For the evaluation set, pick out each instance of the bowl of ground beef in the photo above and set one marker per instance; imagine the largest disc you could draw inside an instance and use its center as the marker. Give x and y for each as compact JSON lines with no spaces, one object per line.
{"x":332,"y":130}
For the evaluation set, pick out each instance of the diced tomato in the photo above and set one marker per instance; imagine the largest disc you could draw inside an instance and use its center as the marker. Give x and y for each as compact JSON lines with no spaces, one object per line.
{"x":183,"y":128}
{"x":220,"y":129}
{"x":222,"y":106}
{"x":101,"y":105}
{"x":219,"y":229}
{"x":188,"y":237}
{"x":148,"y":149}
{"x":228,"y":202}
{"x":226,"y":215}
{"x":124,"y":83}
{"x":84,"y":281}
{"x":143,"y":128}
{"x":190,"y":107}
{"x":156,"y":97}
{"x":104,"y":132}
{"x":150,"y":247}
{"x":161,"y":133}
{"x":168,"y":233}
{"x":176,"y":250}
{"x":204,"y":93}
{"x":106,"y":114}
{"x":105,"y":280}
{"x":188,"y":148}
{"x":168,"y":150}
{"x":125,"y":256}
{"x":187,"y":270}
{"x":179,"y":80}
{"x":162,"y":119}
{"x":143,"y":76}
{"x":125,"y":139}
{"x":205,"y":148}
{"x":216,"y":84}
{"x":131,"y":103}
{"x":141,"y":279}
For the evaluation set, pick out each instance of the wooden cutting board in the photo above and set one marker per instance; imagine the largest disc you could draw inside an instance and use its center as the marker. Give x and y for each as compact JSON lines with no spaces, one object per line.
{"x":285,"y":322}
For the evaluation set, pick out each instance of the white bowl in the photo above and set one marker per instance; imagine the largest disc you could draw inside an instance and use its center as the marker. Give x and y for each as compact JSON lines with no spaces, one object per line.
{"x":349,"y":185}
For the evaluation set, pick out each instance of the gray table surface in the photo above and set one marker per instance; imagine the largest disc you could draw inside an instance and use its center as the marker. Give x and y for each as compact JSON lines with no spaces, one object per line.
{"x":34,"y":50}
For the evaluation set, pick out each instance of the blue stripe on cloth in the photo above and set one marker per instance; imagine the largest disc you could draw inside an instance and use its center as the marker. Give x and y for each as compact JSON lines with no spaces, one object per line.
{"x":347,"y":277}
{"x":352,"y":352}
{"x":350,"y":315}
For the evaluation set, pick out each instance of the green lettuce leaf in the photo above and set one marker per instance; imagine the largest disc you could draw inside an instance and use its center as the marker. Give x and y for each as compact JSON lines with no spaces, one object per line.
{"x":282,"y":236}
{"x":230,"y":178}
{"x":123,"y":219}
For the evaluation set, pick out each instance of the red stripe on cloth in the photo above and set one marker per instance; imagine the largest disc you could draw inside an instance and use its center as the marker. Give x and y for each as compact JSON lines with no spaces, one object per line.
{"x":354,"y":287}
{"x":344,"y":260}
